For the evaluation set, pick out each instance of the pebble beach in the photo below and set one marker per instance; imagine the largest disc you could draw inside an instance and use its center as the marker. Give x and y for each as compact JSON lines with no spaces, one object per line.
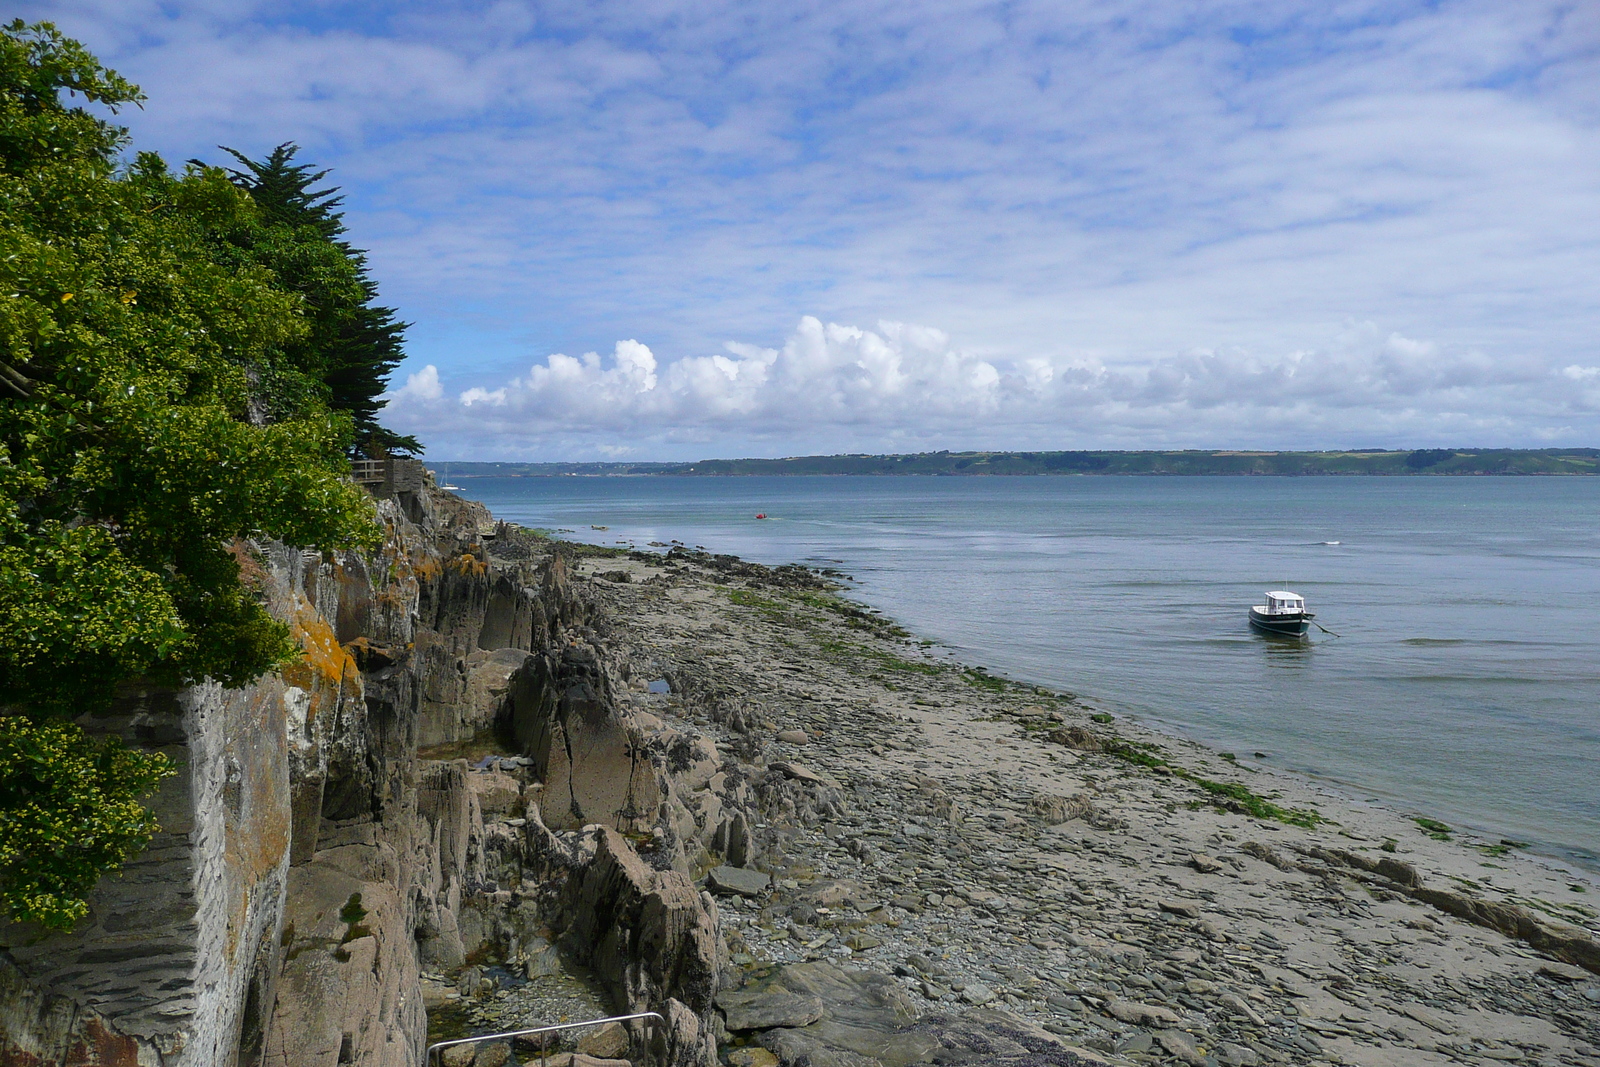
{"x":1140,"y":897}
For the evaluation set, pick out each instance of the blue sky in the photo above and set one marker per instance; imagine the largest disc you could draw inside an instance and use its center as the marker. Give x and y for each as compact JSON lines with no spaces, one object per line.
{"x":677,"y":230}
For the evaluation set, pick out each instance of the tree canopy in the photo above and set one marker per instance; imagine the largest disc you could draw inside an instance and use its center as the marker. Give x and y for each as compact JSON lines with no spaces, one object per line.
{"x":176,"y":379}
{"x":352,"y":344}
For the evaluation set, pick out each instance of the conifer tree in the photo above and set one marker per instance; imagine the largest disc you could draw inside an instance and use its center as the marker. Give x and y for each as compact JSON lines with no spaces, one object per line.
{"x":354,"y":343}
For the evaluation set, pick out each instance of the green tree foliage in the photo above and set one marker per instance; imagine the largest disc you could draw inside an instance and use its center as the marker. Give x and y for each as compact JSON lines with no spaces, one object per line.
{"x":143,"y":441}
{"x":352,"y":344}
{"x":71,"y":812}
{"x":1423,"y":458}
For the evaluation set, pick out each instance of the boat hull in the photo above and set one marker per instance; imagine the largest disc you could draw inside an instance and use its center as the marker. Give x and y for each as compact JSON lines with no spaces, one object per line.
{"x":1296,"y":624}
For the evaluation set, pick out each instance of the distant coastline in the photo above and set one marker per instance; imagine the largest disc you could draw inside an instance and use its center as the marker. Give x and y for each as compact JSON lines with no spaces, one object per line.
{"x":1432,"y":462}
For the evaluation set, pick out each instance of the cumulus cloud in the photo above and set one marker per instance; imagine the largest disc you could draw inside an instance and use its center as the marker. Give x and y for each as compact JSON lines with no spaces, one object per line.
{"x":834,"y":387}
{"x":422,"y":386}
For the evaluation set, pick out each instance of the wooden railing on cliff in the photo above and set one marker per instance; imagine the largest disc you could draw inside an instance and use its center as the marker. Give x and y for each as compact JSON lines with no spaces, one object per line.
{"x":388,"y":475}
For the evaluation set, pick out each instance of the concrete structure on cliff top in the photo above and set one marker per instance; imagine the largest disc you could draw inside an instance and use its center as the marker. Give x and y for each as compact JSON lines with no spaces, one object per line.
{"x":310,"y":865}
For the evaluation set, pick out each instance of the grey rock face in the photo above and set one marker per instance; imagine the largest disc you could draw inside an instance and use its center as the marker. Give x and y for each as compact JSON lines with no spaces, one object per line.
{"x":311,"y":865}
{"x":647,"y":937}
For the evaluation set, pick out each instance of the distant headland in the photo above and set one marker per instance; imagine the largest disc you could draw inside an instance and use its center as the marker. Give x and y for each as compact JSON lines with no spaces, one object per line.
{"x":1361,"y":461}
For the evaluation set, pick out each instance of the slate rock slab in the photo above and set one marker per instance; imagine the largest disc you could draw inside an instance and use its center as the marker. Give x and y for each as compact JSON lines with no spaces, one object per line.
{"x":798,"y":772}
{"x":739,"y":880}
{"x":755,"y":1009}
{"x":1137,"y":1014}
{"x":1182,"y":1046}
{"x":868,"y":1021}
{"x":1182,"y":908}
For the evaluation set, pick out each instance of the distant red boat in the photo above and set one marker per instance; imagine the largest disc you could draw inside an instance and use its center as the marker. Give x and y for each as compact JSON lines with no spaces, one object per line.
{"x":761,"y":514}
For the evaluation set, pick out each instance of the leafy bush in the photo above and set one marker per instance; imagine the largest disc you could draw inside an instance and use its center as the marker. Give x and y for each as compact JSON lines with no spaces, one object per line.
{"x":69,"y":811}
{"x":158,"y":410}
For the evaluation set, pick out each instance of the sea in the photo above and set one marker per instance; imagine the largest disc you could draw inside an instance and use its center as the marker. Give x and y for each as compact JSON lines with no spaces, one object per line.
{"x":1455,"y":673}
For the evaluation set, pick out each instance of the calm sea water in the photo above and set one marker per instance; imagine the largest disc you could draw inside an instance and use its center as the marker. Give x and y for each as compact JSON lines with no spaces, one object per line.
{"x":1464,"y":684}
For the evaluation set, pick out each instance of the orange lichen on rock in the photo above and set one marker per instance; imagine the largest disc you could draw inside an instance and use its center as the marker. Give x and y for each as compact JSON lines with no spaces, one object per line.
{"x":469,"y":566}
{"x":325,"y":670}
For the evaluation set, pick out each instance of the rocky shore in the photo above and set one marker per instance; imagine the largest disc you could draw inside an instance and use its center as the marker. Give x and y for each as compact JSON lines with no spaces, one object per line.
{"x":989,"y":872}
{"x":515,"y":782}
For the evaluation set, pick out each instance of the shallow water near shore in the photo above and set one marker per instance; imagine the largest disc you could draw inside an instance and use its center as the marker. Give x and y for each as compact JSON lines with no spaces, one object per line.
{"x":1464,"y":684}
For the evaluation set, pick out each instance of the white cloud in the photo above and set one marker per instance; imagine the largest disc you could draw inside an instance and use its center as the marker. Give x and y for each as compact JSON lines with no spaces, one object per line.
{"x":424,"y":385}
{"x":475,"y":395}
{"x":833,"y":387}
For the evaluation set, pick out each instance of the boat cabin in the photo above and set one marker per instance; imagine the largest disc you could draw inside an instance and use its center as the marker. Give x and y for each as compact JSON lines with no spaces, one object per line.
{"x":1282,"y":602}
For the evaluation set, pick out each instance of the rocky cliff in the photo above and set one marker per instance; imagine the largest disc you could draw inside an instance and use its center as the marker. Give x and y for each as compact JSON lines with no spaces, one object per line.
{"x":447,"y":778}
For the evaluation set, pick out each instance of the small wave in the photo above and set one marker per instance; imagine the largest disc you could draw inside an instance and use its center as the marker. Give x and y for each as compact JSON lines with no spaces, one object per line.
{"x":1510,"y":680}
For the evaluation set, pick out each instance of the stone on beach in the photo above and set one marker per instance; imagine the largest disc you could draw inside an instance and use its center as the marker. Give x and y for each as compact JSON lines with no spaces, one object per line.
{"x":610,"y":1041}
{"x":1137,"y":1014}
{"x":1427,"y":1018}
{"x":1054,"y":809}
{"x":751,"y":1057}
{"x":1077,"y":737}
{"x":1563,"y":972}
{"x":765,"y":1009}
{"x":738,"y":880}
{"x":977,"y":994}
{"x":1182,"y":1046}
{"x":798,"y":772}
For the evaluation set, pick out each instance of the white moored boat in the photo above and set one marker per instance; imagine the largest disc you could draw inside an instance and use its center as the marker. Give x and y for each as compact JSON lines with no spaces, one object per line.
{"x":1283,"y":613}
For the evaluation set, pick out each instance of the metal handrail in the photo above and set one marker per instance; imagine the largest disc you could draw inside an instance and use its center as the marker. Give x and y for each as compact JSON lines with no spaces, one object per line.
{"x":440,"y":1046}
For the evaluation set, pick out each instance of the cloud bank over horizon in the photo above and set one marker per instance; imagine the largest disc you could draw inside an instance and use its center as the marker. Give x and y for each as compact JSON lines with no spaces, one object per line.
{"x":1114,"y":223}
{"x":901,"y":387}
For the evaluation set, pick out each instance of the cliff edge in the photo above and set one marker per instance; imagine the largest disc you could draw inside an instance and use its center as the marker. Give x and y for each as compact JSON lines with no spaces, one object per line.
{"x":444,"y":778}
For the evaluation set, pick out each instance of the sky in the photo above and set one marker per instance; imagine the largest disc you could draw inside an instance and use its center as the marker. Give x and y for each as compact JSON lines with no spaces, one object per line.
{"x":678,"y":230}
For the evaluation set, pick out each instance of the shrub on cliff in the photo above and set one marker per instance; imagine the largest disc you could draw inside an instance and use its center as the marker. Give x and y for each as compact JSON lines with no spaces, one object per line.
{"x":150,"y":423}
{"x":71,"y":812}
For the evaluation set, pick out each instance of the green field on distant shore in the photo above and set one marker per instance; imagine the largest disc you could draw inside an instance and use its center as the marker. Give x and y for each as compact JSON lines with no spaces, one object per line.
{"x":1426,"y":461}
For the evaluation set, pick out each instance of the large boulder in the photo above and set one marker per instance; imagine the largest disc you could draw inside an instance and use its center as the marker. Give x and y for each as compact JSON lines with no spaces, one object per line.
{"x":592,"y":763}
{"x":649,"y":938}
